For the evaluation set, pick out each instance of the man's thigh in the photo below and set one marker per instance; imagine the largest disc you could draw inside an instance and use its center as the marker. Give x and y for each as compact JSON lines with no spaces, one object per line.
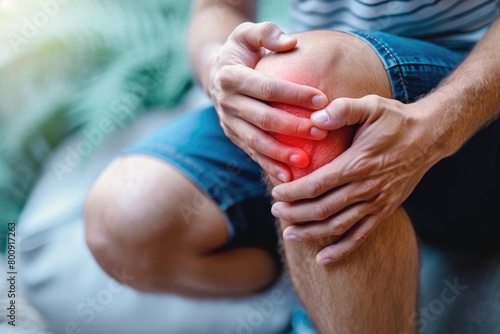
{"x":195,"y":145}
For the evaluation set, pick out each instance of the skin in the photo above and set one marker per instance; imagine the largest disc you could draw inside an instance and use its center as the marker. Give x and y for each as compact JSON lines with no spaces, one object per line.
{"x":341,"y":297}
{"x":393,"y":148}
{"x":146,"y":218}
{"x":230,"y":51}
{"x":356,"y":194}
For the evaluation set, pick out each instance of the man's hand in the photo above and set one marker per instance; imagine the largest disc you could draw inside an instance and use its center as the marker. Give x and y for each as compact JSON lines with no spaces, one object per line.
{"x":393,"y":148}
{"x":237,"y":91}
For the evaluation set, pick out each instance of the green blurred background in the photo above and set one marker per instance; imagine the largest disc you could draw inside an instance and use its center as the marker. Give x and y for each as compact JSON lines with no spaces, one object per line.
{"x":65,"y":65}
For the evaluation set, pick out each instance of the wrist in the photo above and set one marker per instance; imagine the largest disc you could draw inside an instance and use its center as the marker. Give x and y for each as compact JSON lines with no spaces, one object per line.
{"x":203,"y":60}
{"x":206,"y":73}
{"x":440,"y":120}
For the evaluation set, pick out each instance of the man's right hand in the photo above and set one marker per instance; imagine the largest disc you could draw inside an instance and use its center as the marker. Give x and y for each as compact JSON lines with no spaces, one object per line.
{"x":239,"y":94}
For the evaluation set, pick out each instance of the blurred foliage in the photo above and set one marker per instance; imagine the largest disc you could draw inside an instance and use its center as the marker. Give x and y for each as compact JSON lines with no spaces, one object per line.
{"x":65,"y":65}
{"x":68,"y":64}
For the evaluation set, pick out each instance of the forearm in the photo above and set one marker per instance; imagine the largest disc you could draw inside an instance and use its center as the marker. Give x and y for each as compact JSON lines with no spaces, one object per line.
{"x":469,"y":98}
{"x":211,"y":23}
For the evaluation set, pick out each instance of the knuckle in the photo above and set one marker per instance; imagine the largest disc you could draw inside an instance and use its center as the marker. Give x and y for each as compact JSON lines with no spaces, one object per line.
{"x":340,"y":228}
{"x":268,"y":88}
{"x":308,"y":235}
{"x":242,"y":28}
{"x":297,"y":126}
{"x":383,"y":198}
{"x":250,"y":140}
{"x":221,"y":98}
{"x":315,"y":188}
{"x":224,"y":102}
{"x":343,"y":107}
{"x":286,"y":194}
{"x":297,"y":97}
{"x":368,"y":188}
{"x":372,"y":99}
{"x":360,"y":166}
{"x":229,"y":134}
{"x":265,"y":121}
{"x":267,"y":28}
{"x":287,"y":216}
{"x":281,"y":155}
{"x":288,"y":123}
{"x":225,"y":78}
{"x":321,"y":211}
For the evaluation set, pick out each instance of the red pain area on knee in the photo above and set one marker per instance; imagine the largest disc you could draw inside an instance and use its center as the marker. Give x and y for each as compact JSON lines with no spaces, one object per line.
{"x":320,"y":152}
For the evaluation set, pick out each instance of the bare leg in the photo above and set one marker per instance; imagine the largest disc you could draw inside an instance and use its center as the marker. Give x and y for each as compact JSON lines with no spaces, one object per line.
{"x":144,"y":216}
{"x":374,"y":289}
{"x":371,"y":291}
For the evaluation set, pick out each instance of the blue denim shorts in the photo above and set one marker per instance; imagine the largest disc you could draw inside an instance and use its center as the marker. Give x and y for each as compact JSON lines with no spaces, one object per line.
{"x":455,"y":205}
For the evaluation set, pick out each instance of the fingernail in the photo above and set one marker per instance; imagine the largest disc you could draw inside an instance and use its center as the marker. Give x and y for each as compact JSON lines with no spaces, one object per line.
{"x":281,"y":177}
{"x":299,"y":160}
{"x":275,"y":212}
{"x":320,"y":116}
{"x":326,"y":261}
{"x":319,"y":101}
{"x":285,"y":38}
{"x":315,"y":132}
{"x":294,"y":158}
{"x":291,"y":237}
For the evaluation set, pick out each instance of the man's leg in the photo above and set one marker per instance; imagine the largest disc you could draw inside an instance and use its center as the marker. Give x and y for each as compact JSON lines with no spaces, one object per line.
{"x":374,"y":289}
{"x":145,"y":217}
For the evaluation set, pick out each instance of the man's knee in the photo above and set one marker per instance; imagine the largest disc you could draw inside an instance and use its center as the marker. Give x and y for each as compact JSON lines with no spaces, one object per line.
{"x":339,"y":64}
{"x":131,"y":212}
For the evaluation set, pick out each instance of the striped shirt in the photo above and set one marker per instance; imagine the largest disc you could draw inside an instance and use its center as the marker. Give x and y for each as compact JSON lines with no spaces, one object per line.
{"x":455,"y":24}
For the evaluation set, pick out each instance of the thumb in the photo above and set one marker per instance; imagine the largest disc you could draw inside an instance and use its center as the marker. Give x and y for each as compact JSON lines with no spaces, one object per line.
{"x":344,"y":111}
{"x":265,"y":34}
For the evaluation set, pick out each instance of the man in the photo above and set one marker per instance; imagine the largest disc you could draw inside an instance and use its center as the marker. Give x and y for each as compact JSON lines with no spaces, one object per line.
{"x":186,"y":208}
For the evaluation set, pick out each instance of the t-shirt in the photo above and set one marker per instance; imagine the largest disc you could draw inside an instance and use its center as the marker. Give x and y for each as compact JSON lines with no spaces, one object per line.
{"x":456,"y":24}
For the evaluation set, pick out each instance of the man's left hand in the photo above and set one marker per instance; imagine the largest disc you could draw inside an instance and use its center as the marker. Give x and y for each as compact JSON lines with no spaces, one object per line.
{"x":394,"y":146}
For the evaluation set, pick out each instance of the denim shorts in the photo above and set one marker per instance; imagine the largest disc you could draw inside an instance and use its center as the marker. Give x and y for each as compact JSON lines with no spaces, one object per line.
{"x":455,"y":205}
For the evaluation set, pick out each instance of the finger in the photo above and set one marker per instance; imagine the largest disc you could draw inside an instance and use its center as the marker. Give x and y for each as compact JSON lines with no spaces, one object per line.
{"x":272,"y":119}
{"x":265,"y":34}
{"x":344,"y":111}
{"x":356,"y":236}
{"x":337,"y":225}
{"x":313,"y":185}
{"x":247,"y":81}
{"x":326,"y":206}
{"x":262,"y":143}
{"x":272,"y":180}
{"x":276,"y":170}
